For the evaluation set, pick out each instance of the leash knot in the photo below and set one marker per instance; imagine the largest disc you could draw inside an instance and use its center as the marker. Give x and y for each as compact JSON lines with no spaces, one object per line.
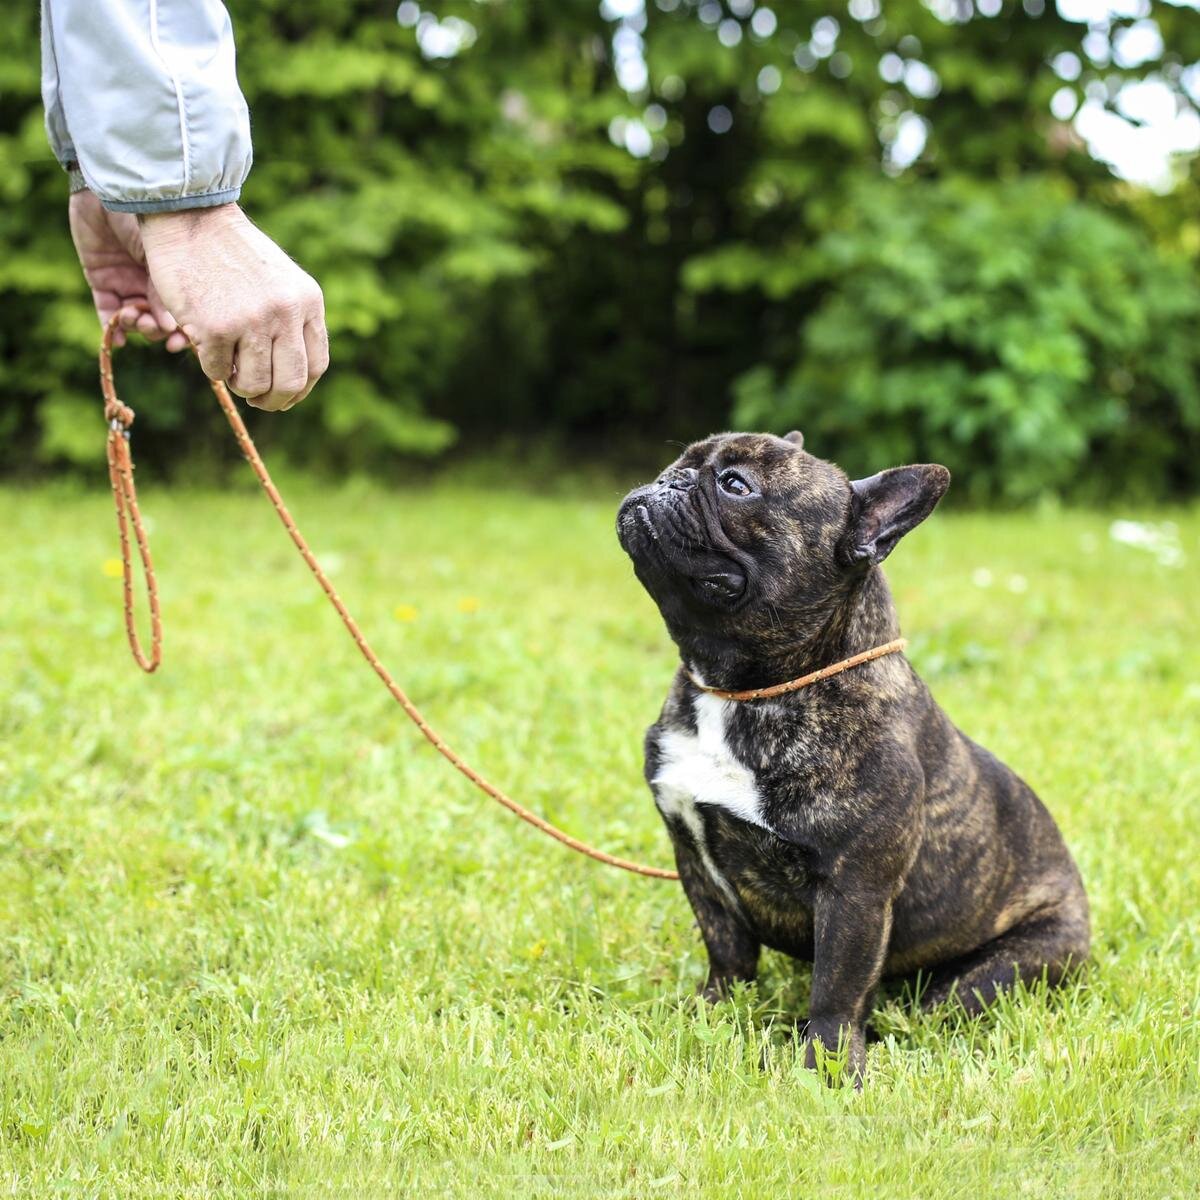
{"x":119,"y":416}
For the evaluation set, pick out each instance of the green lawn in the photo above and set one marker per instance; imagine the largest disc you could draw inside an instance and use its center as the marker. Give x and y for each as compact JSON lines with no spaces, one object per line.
{"x":257,"y":938}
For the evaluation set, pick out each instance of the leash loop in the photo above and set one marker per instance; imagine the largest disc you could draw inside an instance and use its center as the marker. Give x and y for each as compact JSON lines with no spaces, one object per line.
{"x":120,"y":469}
{"x":120,"y":475}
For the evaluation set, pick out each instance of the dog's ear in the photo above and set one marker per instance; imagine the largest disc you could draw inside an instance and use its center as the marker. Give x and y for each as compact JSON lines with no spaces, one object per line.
{"x":796,"y":438}
{"x":886,"y":506}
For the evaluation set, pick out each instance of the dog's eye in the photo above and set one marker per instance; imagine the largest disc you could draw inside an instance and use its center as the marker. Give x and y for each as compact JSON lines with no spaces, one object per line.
{"x":734,"y":484}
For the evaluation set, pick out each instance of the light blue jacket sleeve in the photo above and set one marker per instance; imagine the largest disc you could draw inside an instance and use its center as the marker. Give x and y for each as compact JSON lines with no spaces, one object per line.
{"x":142,"y":99}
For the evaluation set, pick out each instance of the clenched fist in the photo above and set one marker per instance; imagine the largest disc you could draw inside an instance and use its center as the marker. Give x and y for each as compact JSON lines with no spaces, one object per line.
{"x":257,"y":319}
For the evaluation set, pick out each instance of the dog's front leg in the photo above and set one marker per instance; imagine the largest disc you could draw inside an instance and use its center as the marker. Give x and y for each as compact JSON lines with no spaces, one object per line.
{"x":850,"y":936}
{"x":732,"y":949}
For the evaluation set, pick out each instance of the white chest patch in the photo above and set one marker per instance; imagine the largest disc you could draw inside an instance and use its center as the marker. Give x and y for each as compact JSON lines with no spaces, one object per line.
{"x":699,"y":768}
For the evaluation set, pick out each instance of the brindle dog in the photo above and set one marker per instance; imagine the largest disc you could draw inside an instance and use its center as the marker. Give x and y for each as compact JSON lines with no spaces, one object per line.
{"x":849,"y":823}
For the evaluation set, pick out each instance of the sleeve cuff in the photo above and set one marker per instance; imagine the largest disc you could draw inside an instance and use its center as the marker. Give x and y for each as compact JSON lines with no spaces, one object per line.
{"x":175,"y":203}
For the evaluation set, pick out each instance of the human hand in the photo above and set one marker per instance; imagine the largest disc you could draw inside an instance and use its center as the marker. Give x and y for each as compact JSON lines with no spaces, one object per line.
{"x":257,"y":319}
{"x":110,"y":251}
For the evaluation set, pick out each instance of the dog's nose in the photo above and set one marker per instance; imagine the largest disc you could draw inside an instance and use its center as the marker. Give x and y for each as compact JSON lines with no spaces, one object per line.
{"x":682,"y":480}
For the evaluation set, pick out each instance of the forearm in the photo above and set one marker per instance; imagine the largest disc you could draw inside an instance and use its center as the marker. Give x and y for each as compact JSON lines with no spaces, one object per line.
{"x":144,"y":100}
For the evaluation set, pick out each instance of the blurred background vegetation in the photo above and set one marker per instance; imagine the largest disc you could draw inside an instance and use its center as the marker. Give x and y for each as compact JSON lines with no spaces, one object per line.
{"x":595,"y":227}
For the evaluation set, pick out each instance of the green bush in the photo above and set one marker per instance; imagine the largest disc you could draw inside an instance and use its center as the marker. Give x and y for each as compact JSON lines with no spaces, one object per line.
{"x":1032,"y":341}
{"x":423,"y":194}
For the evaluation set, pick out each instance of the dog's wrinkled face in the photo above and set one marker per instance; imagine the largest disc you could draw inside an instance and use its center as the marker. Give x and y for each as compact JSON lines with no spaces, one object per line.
{"x":747,"y":535}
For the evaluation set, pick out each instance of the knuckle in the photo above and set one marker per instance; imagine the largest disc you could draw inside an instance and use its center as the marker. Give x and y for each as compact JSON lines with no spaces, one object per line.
{"x":283,"y":310}
{"x":214,"y":366}
{"x":223,"y":330}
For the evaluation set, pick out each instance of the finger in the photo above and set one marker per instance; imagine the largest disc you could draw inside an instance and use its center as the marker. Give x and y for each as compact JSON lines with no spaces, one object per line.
{"x":251,"y":376}
{"x":289,"y":373}
{"x":149,"y":327}
{"x":215,"y":351}
{"x":127,"y":316}
{"x":130,"y":314}
{"x":134,"y":315}
{"x":166,"y":322}
{"x":177,"y":341}
{"x":316,"y":350}
{"x":106,"y":304}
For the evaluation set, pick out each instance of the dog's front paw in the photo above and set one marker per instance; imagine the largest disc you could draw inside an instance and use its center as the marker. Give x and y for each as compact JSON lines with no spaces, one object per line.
{"x":829,"y":1043}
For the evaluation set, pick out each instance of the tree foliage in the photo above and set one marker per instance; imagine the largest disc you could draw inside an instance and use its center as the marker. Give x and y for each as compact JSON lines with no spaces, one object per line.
{"x":620,"y":224}
{"x":1025,"y":336}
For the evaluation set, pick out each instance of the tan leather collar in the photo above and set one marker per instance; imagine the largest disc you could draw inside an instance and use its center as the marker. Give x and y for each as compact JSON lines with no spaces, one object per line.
{"x":794,"y":685}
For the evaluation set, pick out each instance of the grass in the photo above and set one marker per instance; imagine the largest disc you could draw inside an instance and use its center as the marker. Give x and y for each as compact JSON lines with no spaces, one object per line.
{"x":257,"y":939}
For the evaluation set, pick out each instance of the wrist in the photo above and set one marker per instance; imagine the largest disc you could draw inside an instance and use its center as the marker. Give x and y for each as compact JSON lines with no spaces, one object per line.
{"x":185,"y":224}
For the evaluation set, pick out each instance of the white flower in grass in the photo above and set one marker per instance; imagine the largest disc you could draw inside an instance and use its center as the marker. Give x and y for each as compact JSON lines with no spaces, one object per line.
{"x":1161,"y":539}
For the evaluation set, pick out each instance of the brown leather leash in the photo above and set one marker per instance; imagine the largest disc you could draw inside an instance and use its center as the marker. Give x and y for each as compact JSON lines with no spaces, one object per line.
{"x":120,"y":469}
{"x":120,"y":472}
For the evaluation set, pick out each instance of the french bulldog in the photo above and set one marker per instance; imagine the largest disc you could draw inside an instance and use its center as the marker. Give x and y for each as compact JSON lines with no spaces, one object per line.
{"x":848,"y":824}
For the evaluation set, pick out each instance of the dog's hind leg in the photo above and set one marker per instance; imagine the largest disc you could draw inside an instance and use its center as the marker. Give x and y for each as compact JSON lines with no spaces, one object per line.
{"x":1045,"y":945}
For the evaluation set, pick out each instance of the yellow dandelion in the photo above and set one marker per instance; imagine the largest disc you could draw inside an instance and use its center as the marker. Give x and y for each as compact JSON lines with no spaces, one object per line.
{"x":112,"y":568}
{"x":468,"y":604}
{"x":405,"y":612}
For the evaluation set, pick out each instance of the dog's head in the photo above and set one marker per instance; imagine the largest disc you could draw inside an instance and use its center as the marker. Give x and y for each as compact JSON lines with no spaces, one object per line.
{"x":746,"y":536}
